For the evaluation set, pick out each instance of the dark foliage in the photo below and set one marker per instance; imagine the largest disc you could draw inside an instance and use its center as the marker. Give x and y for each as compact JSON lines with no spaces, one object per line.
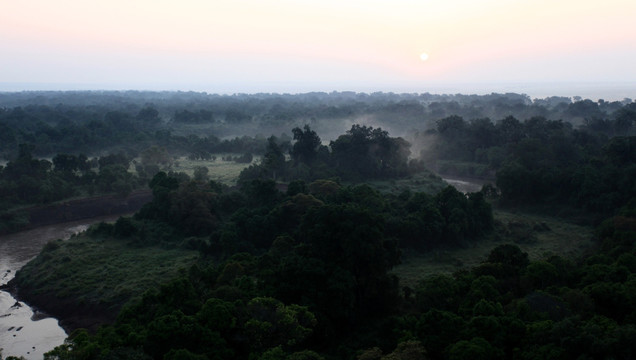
{"x":305,"y":274}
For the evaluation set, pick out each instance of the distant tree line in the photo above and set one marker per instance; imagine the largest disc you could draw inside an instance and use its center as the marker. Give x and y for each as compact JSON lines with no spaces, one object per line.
{"x":489,"y":142}
{"x":113,"y":132}
{"x":26,"y":180}
{"x":591,"y":167}
{"x":91,"y":122}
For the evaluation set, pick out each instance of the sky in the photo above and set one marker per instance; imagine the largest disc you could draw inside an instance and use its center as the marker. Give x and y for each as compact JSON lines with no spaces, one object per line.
{"x":220,"y":46}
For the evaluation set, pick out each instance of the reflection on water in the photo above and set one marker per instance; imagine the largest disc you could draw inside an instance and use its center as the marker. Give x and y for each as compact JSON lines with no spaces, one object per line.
{"x":23,"y":331}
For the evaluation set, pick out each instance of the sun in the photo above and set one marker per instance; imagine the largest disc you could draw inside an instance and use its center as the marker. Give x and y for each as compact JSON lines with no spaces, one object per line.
{"x":423,"y":56}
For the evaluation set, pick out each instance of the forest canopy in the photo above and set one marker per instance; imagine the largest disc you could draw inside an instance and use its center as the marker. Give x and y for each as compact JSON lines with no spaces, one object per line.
{"x":295,"y":260}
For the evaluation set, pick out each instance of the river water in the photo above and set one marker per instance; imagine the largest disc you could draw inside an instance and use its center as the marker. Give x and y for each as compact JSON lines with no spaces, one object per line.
{"x":24,"y":331}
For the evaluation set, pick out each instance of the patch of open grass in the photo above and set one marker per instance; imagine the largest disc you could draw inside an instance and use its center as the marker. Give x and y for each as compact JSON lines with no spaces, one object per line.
{"x":539,"y":236}
{"x":226,"y":172}
{"x":424,"y":181}
{"x":104,"y":271}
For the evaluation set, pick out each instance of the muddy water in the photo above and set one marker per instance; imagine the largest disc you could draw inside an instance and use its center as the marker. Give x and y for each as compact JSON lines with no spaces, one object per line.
{"x":25,"y":331}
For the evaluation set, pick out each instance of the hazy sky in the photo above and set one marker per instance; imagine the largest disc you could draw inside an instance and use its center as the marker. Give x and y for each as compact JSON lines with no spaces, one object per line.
{"x":324,"y":45}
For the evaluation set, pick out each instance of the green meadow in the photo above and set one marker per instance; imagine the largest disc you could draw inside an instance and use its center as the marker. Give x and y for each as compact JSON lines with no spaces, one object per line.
{"x":539,"y":236}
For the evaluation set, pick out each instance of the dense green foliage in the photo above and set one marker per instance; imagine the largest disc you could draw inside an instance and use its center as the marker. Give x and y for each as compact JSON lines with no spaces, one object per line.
{"x":294,"y":265}
{"x":92,"y":275}
{"x":280,"y":272}
{"x":363,"y":153}
{"x":194,"y":123}
{"x":558,"y":135}
{"x":509,"y":307}
{"x":560,"y":153}
{"x":315,"y":282}
{"x":26,"y":180}
{"x":254,"y":217}
{"x":591,"y":167}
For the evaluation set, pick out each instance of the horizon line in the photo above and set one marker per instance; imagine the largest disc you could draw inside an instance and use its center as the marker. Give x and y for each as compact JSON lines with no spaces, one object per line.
{"x":613,"y":91}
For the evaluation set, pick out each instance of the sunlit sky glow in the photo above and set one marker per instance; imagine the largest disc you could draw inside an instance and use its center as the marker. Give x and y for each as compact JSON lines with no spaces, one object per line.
{"x":297,"y":46}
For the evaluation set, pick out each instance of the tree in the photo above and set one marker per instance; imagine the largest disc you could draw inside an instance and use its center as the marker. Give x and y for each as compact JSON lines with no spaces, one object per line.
{"x":477,"y":348}
{"x":451,"y":126}
{"x":367,"y":152}
{"x":453,"y":206}
{"x":192,"y":209}
{"x":509,"y":254}
{"x":541,"y":274}
{"x":272,"y":323}
{"x":245,"y":158}
{"x":156,"y":156}
{"x":179,"y":331}
{"x":148,"y":115}
{"x":510,"y":129}
{"x":273,"y":160}
{"x":115,"y":178}
{"x":201,"y":173}
{"x":515,"y":182}
{"x":624,"y":122}
{"x":352,"y":238}
{"x":305,"y":149}
{"x":66,"y":162}
{"x":114,"y":159}
{"x":407,"y":350}
{"x":438,"y":292}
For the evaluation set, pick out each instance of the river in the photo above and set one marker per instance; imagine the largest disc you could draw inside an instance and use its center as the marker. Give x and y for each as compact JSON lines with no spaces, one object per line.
{"x":23,"y":330}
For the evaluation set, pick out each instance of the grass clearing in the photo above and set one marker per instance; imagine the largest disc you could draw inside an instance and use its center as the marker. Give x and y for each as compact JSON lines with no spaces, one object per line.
{"x":539,"y":236}
{"x":105,"y":271}
{"x":424,"y":181}
{"x":226,"y":172}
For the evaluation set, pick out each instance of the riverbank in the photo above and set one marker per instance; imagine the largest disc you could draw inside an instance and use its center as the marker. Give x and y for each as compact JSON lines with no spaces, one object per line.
{"x":85,"y":281}
{"x":87,"y":208}
{"x":80,"y":209}
{"x":24,"y":331}
{"x":70,"y":313}
{"x":32,"y":322}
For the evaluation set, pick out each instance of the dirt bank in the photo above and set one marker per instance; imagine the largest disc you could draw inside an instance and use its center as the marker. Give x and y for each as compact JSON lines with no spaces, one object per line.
{"x":80,"y":209}
{"x":87,"y":208}
{"x":71,"y":313}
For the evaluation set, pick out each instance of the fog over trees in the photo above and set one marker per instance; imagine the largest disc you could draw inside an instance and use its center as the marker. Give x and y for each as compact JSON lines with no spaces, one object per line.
{"x":93,"y":121}
{"x":299,"y":257}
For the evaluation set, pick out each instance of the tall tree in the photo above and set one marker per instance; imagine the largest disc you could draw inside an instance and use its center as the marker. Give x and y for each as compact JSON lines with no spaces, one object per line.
{"x":273,"y":160}
{"x":306,"y":146}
